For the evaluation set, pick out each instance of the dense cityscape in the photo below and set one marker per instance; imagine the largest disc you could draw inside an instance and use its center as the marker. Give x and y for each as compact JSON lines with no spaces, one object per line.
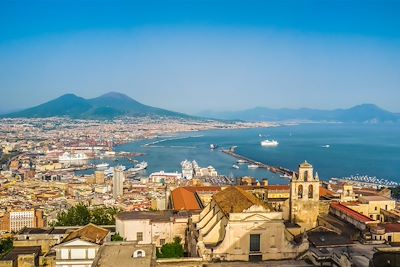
{"x":199,"y":133}
{"x":54,"y":216}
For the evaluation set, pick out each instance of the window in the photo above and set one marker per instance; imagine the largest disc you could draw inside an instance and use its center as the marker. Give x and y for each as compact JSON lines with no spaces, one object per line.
{"x":376,"y":208}
{"x":390,"y":238}
{"x":300,"y":192}
{"x":310,"y":191}
{"x":162,"y":241}
{"x":385,"y":207}
{"x":138,"y":254}
{"x":139,"y":236}
{"x":254,"y":243}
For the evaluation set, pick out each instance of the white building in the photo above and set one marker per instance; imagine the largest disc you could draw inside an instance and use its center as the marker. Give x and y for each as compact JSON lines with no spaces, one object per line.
{"x":165,"y":177}
{"x":118,"y":182}
{"x":80,"y":247}
{"x":148,"y":227}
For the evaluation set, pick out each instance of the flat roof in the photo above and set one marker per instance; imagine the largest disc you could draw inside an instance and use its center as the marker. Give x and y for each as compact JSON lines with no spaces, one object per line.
{"x":117,"y":254}
{"x":13,"y":254}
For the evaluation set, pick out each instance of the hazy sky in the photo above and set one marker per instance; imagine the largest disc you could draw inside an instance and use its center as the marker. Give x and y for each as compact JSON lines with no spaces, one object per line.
{"x":191,"y":56}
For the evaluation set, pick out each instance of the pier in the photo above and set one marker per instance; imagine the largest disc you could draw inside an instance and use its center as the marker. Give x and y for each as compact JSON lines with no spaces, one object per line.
{"x":273,"y":169}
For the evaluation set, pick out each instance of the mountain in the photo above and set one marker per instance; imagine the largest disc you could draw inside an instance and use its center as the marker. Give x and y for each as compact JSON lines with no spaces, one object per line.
{"x":360,"y":113}
{"x":108,"y":106}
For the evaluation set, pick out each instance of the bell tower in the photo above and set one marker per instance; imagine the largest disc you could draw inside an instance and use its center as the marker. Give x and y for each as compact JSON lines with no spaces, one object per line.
{"x":304,"y":197}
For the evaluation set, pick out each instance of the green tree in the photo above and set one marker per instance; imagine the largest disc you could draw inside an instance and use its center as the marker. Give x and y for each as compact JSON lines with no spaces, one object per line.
{"x":117,"y":237}
{"x":171,"y":250}
{"x":6,"y":245}
{"x":80,"y":215}
{"x":77,"y":215}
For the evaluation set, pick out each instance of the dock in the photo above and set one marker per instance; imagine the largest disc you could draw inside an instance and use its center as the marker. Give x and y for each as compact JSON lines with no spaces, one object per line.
{"x":273,"y":169}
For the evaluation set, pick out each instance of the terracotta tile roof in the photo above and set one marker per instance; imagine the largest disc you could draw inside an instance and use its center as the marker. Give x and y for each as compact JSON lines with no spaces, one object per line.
{"x":351,"y":213}
{"x":234,"y":200}
{"x":392,"y":227}
{"x":323,"y":192}
{"x":184,"y":199}
{"x":90,"y":233}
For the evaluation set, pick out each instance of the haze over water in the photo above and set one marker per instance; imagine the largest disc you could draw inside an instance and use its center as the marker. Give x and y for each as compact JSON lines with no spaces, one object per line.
{"x":354,"y":149}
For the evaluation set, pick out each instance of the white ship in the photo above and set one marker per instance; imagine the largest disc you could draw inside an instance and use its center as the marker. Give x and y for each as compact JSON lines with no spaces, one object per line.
{"x":102,"y":165}
{"x":241,"y":161}
{"x":213,"y":146}
{"x":252,"y":166}
{"x":326,"y":146}
{"x":68,"y":157}
{"x":269,"y":143}
{"x":139,"y":167}
{"x":235,"y":166}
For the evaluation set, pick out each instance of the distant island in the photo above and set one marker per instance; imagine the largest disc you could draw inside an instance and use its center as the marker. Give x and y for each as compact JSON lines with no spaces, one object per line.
{"x":365,"y":113}
{"x":108,"y":106}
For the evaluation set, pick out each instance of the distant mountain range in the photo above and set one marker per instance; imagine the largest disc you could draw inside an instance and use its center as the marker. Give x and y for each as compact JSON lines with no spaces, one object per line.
{"x":108,"y":106}
{"x":361,"y":113}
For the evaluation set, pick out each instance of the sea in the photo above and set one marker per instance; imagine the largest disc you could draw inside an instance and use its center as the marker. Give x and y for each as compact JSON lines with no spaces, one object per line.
{"x":334,"y":149}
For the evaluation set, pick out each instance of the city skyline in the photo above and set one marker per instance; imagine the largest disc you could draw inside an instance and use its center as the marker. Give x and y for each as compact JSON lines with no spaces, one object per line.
{"x":224,"y":55}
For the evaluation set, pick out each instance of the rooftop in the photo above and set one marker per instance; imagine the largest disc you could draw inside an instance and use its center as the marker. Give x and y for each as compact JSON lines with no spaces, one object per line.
{"x":90,"y":233}
{"x":115,"y":254}
{"x":351,"y":213}
{"x":392,"y":227}
{"x":184,"y":199}
{"x":235,"y":200}
{"x":145,"y":215}
{"x":13,"y":254}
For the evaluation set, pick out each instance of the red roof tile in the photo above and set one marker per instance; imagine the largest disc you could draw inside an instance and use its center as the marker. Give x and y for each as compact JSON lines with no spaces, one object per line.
{"x":392,"y":227}
{"x":351,"y":213}
{"x":184,"y":199}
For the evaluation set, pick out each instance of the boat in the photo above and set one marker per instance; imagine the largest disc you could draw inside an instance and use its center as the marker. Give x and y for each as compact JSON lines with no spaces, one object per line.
{"x":139,"y":167}
{"x":102,"y":165}
{"x":213,"y":146}
{"x":241,"y":161}
{"x":269,"y":143}
{"x":252,"y":166}
{"x":326,"y":146}
{"x":235,"y":166}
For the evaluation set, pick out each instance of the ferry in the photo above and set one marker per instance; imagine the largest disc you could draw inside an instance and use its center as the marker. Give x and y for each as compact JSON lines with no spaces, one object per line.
{"x":235,"y":166}
{"x":139,"y":167}
{"x":269,"y":143}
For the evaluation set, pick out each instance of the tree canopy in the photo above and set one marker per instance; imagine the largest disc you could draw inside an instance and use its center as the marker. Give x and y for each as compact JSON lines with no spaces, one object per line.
{"x":6,"y":245}
{"x":171,"y":250}
{"x":80,"y":215}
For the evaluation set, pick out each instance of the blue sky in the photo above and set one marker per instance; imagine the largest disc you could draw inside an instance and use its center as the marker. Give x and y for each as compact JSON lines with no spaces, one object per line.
{"x":192,"y":56}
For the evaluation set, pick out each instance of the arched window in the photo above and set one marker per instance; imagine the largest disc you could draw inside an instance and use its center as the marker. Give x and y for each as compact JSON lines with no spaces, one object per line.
{"x":300,"y":191}
{"x":305,"y":175}
{"x":310,"y":191}
{"x":138,"y":254}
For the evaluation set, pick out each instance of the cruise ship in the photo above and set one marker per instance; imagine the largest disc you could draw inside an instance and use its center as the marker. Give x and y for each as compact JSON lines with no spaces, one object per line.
{"x":269,"y":143}
{"x":102,"y":165}
{"x":139,"y":167}
{"x":68,"y":157}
